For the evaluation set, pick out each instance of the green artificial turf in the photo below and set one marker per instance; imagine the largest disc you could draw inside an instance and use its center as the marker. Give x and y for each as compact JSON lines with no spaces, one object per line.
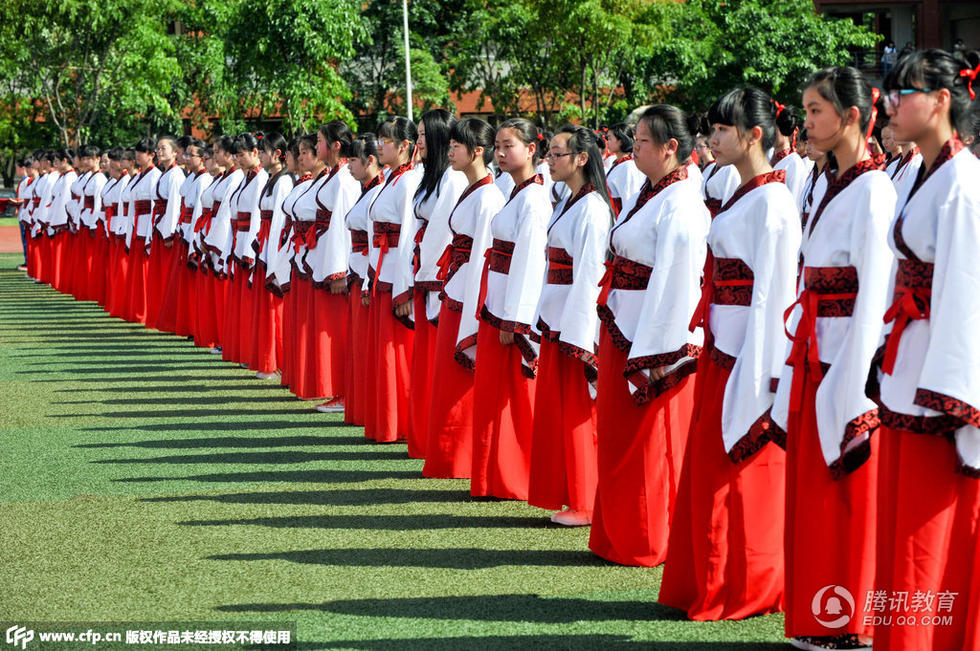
{"x":145,"y":480}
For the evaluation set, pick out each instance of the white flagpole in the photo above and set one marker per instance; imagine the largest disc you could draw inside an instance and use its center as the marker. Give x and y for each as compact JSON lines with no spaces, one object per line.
{"x":408,"y":61}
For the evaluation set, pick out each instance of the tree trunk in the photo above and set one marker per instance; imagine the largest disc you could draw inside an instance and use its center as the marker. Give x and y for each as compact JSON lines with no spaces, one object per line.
{"x":582,"y":92}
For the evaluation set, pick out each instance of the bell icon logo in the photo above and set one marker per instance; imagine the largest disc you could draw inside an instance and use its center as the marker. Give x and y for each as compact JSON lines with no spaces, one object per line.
{"x":832,"y":606}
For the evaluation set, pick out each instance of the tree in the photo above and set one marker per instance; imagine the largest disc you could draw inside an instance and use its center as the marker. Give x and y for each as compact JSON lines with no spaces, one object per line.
{"x":284,"y":57}
{"x":81,"y":59}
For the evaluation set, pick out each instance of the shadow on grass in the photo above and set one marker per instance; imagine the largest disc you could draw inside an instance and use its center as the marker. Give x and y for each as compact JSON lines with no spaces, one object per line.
{"x":484,"y":608}
{"x":451,"y":558}
{"x":291,"y":476}
{"x":244,"y":410}
{"x":237,"y":426}
{"x":149,"y":368}
{"x":490,"y":643}
{"x":420,"y":522}
{"x":284,"y":457}
{"x":234,"y":442}
{"x":346,"y":497}
{"x":184,"y":400}
{"x":538,"y":642}
{"x":179,"y":385}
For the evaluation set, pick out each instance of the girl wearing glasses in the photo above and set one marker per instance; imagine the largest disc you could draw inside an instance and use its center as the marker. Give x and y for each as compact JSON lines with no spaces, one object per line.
{"x":725,"y":558}
{"x":365,"y":170}
{"x":142,"y":196}
{"x":929,"y":495}
{"x":328,"y":250}
{"x":267,"y":322}
{"x":434,"y":199}
{"x":834,"y":327}
{"x":303,"y":209}
{"x":219,"y":238}
{"x":511,"y":280}
{"x":563,"y":445}
{"x":449,"y":439}
{"x":391,"y":273}
{"x":649,"y":292}
{"x":166,"y":216}
{"x":281,"y":279}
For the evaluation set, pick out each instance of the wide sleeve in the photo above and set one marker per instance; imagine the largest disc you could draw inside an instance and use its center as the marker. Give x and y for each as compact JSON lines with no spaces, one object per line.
{"x":254,"y":222}
{"x":669,"y":301}
{"x":167,"y":226}
{"x":846,"y":417}
{"x":527,"y":268}
{"x":219,"y":239}
{"x":749,"y":392}
{"x":468,"y":322}
{"x":578,"y":325}
{"x":950,"y":379}
{"x":403,"y":272}
{"x":330,"y":258}
{"x":270,"y":253}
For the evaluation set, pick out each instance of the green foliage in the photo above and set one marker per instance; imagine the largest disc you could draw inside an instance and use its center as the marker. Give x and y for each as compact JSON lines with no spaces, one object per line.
{"x":108,"y":73}
{"x":82,"y":58}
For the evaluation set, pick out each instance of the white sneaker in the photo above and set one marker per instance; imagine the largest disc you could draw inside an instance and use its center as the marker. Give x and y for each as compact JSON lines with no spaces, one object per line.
{"x":570,"y":518}
{"x":265,"y":376}
{"x":335,"y":406}
{"x":216,"y":350}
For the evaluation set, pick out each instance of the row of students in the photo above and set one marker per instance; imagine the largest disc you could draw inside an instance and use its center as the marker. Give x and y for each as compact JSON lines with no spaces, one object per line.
{"x":776,"y":359}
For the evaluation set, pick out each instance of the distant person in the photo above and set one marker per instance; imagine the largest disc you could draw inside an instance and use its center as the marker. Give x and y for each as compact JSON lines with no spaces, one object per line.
{"x":888,"y":59}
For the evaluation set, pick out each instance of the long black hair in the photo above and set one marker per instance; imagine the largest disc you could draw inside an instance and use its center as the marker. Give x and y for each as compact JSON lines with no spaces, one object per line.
{"x":664,"y":122}
{"x":399,"y":129}
{"x":363,"y":147}
{"x":625,"y":134}
{"x":474,"y":132}
{"x":526,"y":132}
{"x":437,"y":123}
{"x":938,"y":69}
{"x":271,"y":143}
{"x":583,"y":140}
{"x":747,"y":108}
{"x":844,"y":87}
{"x":338,"y":131}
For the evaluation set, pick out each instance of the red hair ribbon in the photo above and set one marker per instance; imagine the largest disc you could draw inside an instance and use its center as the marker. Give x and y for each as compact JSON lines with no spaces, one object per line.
{"x":875,"y":95}
{"x":779,"y":107}
{"x":971,"y":76}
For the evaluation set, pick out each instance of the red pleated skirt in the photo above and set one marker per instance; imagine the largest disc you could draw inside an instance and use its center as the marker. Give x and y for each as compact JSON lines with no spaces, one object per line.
{"x":830,"y":527}
{"x":641,"y":450}
{"x":928,"y":543}
{"x":301,"y":362}
{"x":157,"y":276}
{"x":423,"y":357}
{"x":136,"y":299}
{"x":166,"y":320}
{"x":99,"y":260}
{"x":355,"y":387}
{"x":725,"y":551}
{"x":563,"y":444}
{"x":187,"y":285}
{"x":327,"y":344}
{"x":266,"y":326}
{"x":232,"y":317}
{"x":449,"y":439}
{"x":389,"y":410}
{"x":80,"y":256}
{"x":503,"y":418}
{"x":209,"y":309}
{"x":45,"y":257}
{"x":60,"y":262}
{"x":287,"y":362}
{"x":117,"y":283}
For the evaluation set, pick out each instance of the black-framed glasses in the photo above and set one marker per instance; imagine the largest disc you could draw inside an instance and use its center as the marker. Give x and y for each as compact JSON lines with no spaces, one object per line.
{"x":894,"y":97}
{"x":553,"y":156}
